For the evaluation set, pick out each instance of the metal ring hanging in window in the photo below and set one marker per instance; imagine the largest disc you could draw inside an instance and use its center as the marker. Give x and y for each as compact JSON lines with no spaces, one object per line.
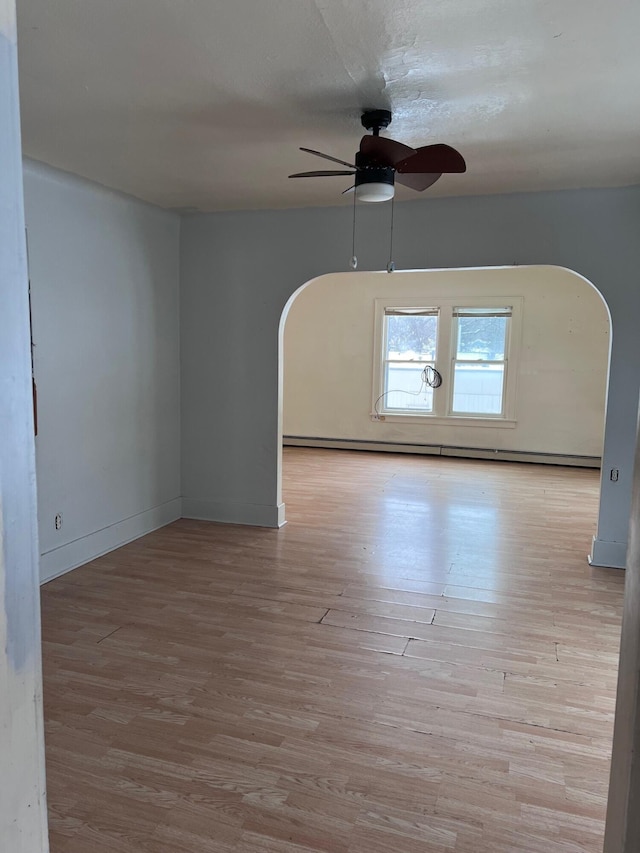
{"x":431,"y":377}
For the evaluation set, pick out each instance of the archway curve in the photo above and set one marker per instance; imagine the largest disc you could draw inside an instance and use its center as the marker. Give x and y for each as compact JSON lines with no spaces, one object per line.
{"x":447,"y":271}
{"x":239,"y":270}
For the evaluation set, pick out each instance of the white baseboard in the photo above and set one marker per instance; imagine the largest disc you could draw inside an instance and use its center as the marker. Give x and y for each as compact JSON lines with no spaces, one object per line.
{"x":608,"y":555}
{"x":63,"y":559}
{"x":256,"y":515}
{"x":444,"y":450}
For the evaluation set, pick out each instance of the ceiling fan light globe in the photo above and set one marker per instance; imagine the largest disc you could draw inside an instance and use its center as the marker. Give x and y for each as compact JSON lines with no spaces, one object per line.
{"x":375,"y":192}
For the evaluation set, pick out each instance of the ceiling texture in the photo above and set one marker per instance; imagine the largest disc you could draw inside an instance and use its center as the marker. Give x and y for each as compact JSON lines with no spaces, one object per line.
{"x":203,"y":104}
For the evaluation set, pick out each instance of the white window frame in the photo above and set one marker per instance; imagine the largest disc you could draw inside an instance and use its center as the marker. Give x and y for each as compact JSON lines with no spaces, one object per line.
{"x":445,"y":359}
{"x":412,"y":310}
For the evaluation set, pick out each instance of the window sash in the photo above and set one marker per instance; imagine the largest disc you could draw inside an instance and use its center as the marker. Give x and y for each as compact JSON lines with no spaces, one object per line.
{"x":455,"y":338}
{"x":478,"y":412}
{"x":454,"y":377}
{"x":407,"y":312}
{"x":384,"y":406}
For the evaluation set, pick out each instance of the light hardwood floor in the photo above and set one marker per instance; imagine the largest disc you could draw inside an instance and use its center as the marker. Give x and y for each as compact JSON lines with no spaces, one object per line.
{"x":420,"y":661}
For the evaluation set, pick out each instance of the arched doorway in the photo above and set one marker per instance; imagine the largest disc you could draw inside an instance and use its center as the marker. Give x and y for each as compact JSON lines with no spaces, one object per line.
{"x":557,"y":371}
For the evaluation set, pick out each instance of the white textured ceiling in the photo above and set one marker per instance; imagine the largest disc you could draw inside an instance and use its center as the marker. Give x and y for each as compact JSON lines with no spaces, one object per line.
{"x":203,"y":103}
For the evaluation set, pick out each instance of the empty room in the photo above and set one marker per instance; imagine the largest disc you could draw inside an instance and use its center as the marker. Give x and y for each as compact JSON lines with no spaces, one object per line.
{"x":319,"y":398}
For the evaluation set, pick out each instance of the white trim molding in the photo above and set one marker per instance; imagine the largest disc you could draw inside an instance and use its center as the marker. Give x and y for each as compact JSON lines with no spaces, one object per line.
{"x":256,"y":515}
{"x":58,"y":561}
{"x":608,"y":555}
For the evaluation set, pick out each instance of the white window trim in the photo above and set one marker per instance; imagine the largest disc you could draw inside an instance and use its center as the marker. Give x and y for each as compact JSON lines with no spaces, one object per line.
{"x":443,"y":396}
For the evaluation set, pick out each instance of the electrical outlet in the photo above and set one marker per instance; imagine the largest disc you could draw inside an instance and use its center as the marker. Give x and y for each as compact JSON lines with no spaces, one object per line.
{"x":614,"y":475}
{"x":58,"y":520}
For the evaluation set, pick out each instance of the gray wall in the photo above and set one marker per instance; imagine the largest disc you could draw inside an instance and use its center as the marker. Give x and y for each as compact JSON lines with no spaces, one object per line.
{"x":23,"y":820}
{"x":623,"y":815}
{"x":105,"y":303}
{"x":239,"y":269}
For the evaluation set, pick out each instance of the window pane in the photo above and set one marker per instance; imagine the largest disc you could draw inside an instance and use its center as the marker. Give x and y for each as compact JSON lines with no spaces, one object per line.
{"x":412,"y":338}
{"x":405,"y":389}
{"x":481,"y":338}
{"x":477,"y":388}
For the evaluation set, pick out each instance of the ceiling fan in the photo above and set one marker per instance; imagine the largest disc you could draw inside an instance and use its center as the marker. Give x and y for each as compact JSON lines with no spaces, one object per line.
{"x":380,"y":162}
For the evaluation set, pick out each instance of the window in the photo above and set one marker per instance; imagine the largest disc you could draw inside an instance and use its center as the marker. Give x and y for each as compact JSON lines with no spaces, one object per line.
{"x":479,"y":363}
{"x":454,"y":361}
{"x":410,"y":339}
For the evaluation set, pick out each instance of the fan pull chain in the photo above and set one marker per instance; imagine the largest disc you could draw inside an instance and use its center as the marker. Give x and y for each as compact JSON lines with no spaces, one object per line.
{"x":391,"y":266}
{"x":353,"y":263}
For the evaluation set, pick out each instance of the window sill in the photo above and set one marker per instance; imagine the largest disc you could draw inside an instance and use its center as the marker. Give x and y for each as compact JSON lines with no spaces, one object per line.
{"x":453,"y":420}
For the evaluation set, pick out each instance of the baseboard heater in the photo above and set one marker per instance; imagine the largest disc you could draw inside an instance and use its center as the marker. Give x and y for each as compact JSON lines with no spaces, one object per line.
{"x":444,"y":450}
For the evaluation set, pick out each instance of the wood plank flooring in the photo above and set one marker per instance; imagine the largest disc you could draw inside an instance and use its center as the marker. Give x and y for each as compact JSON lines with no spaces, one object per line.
{"x":420,"y":661}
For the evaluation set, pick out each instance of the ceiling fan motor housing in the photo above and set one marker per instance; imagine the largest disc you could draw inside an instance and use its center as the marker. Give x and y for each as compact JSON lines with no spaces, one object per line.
{"x":375,"y":175}
{"x":374,"y":183}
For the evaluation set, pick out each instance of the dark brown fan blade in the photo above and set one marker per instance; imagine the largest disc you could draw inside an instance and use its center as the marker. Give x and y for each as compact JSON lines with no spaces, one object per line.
{"x":319,"y":174}
{"x":433,"y":158}
{"x":384,"y":151}
{"x":327,"y":157}
{"x":419,"y":181}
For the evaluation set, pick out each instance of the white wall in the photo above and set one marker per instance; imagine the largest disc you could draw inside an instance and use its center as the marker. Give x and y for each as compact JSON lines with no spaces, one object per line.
{"x":562,"y":370}
{"x":105,"y":303}
{"x":23,"y":819}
